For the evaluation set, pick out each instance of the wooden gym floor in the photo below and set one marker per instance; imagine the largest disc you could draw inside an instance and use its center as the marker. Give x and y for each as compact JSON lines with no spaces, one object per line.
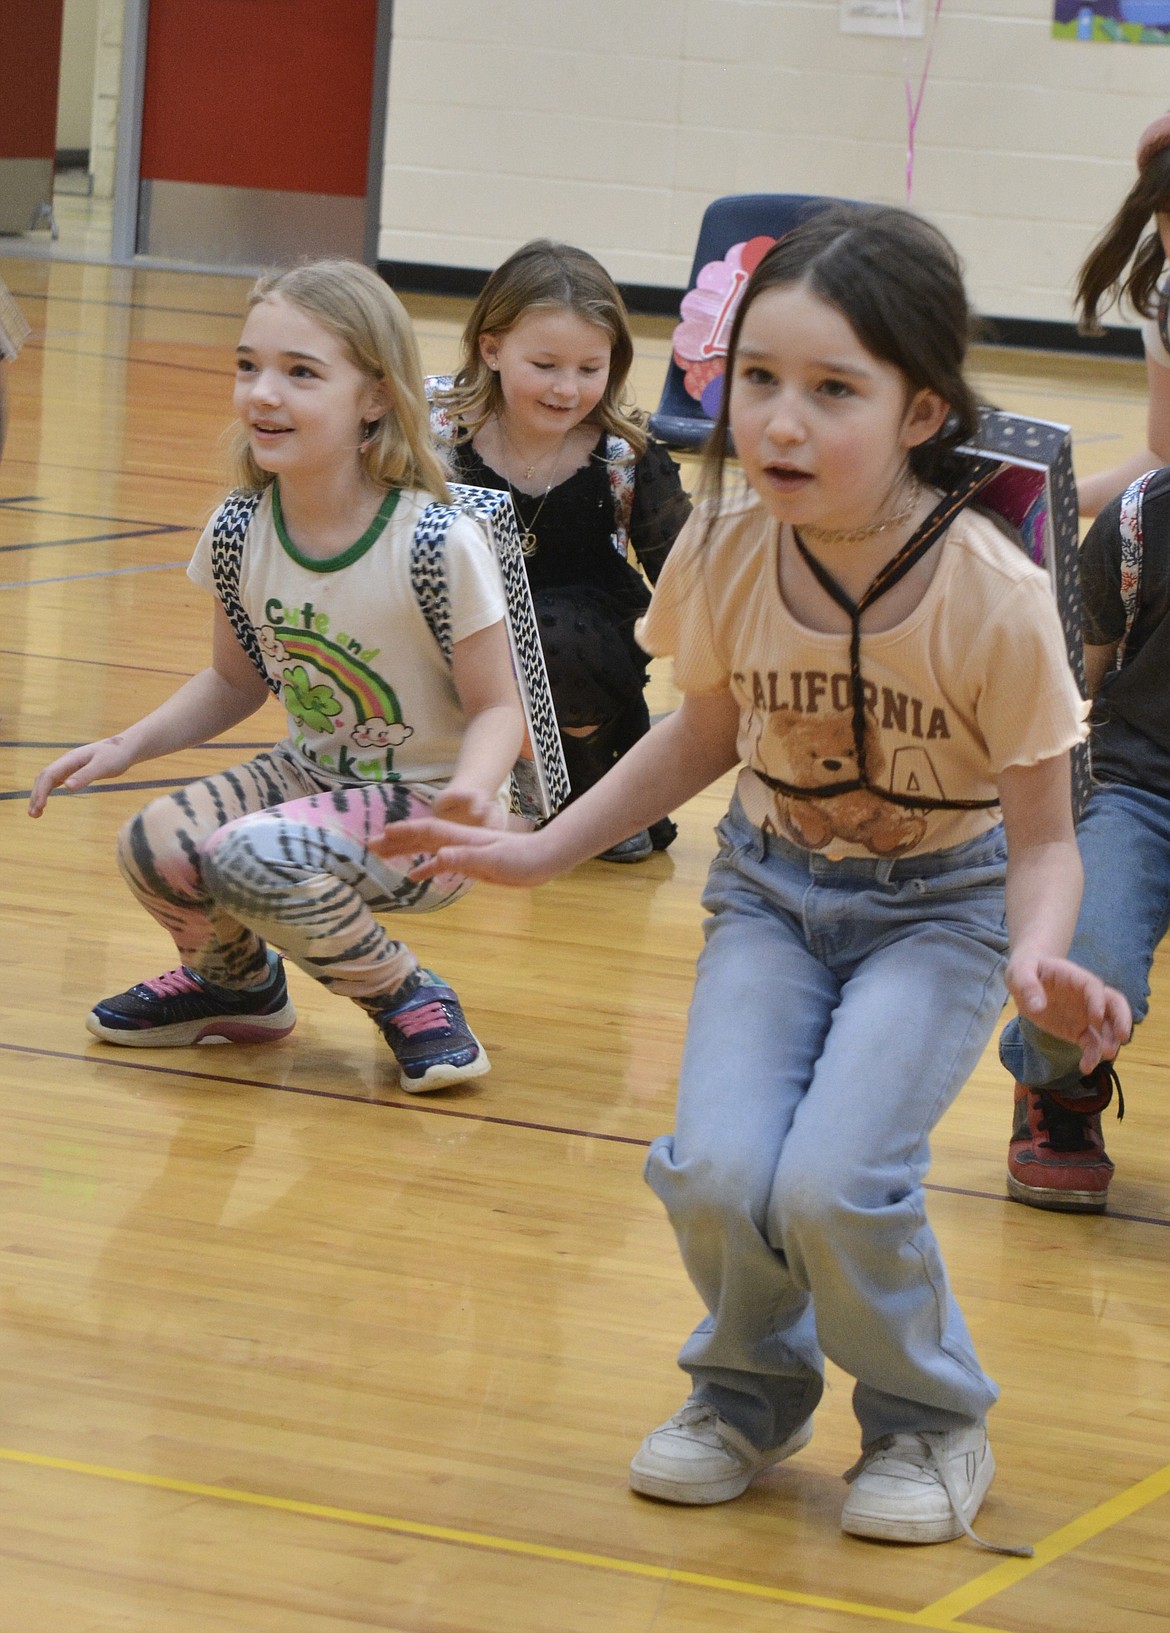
{"x":283,"y":1349}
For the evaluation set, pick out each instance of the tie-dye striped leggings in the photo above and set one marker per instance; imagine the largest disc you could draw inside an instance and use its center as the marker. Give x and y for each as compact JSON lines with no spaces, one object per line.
{"x":266,"y":852}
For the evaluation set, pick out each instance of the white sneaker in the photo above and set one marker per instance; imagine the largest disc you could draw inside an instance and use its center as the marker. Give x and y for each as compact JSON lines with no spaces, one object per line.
{"x":924,"y":1487}
{"x":698,"y":1458}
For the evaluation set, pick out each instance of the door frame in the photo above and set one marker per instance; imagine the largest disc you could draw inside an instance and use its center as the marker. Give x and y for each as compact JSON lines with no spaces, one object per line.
{"x":128,"y":165}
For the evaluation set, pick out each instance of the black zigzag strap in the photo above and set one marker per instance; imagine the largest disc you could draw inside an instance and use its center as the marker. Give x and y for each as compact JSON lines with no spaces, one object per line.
{"x":428,"y":580}
{"x":232,"y":521}
{"x":428,"y":577}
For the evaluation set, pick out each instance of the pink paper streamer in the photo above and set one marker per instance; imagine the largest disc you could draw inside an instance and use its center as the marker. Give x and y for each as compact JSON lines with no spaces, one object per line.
{"x":913,"y":101}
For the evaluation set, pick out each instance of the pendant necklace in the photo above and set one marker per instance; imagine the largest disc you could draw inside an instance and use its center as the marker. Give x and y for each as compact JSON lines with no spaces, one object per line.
{"x":529,"y":543}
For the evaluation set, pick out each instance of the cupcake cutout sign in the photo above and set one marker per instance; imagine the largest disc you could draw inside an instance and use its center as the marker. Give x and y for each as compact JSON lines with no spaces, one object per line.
{"x":699,"y":342}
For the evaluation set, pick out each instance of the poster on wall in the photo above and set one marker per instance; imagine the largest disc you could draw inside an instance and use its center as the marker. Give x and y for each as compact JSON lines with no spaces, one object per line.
{"x":1133,"y":22}
{"x":904,"y":17}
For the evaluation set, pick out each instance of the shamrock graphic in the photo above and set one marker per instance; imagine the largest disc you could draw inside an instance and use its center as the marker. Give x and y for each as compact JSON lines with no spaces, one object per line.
{"x":312,"y":706}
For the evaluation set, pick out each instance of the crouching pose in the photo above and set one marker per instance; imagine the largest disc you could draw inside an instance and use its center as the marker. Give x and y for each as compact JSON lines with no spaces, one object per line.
{"x":874,"y":897}
{"x":325,"y":562}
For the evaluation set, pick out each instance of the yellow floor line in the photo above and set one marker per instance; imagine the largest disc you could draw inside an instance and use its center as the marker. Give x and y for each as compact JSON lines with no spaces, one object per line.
{"x":497,"y":1544}
{"x":1107,"y":1514}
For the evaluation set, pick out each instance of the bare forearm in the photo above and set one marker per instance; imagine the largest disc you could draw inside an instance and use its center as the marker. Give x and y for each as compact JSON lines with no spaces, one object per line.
{"x":1043,"y":897}
{"x":1095,"y":492}
{"x":202,"y":708}
{"x":491,"y":742}
{"x":681,"y":755}
{"x":662,"y":771}
{"x":1063,"y":999}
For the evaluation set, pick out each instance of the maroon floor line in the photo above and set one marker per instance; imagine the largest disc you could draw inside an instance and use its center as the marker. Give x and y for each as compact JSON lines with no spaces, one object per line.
{"x":27,"y":507}
{"x":11,"y":459}
{"x":464,"y":1116}
{"x":90,"y":663}
{"x":225,"y":372}
{"x":1112,"y":1213}
{"x":107,"y":787}
{"x":57,"y":296}
{"x":215,"y":743}
{"x":319,"y":1094}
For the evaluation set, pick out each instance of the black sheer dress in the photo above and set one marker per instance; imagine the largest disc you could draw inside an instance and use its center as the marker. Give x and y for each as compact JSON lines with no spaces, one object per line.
{"x":587,"y":596}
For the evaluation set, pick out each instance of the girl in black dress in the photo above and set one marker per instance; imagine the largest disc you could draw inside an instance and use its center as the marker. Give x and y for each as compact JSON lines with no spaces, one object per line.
{"x":535,"y":409}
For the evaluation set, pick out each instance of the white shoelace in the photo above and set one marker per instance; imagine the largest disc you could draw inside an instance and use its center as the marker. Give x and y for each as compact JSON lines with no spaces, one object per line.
{"x":929,"y":1460}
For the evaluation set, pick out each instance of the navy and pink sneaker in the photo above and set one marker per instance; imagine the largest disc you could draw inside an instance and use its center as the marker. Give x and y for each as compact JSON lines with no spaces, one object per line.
{"x":180,"y":1008}
{"x":430,"y":1037}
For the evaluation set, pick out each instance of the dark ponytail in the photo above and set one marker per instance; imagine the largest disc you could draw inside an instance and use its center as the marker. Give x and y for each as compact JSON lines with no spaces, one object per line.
{"x":1102,"y":280}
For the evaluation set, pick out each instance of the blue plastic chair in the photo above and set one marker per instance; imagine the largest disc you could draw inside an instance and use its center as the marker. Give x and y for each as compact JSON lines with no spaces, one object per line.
{"x":681,"y":420}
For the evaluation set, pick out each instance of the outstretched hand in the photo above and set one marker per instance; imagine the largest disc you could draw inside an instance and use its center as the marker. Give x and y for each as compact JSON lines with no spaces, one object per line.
{"x":500,"y":858}
{"x":77,"y":769}
{"x":1067,"y":1001}
{"x":470,"y":806}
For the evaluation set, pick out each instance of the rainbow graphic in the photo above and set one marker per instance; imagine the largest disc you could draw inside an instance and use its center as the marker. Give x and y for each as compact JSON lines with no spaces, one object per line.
{"x":369,"y":695}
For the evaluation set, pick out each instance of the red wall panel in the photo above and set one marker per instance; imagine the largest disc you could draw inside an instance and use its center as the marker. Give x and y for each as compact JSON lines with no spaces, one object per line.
{"x":30,"y":67}
{"x":269,"y":94}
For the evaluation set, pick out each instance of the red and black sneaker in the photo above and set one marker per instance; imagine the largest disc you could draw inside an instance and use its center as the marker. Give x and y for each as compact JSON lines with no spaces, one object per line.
{"x":1057,"y":1157}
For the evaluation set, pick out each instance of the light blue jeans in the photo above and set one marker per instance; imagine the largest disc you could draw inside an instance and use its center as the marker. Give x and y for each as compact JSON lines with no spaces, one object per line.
{"x":1124,"y":840}
{"x":838,"y":1009}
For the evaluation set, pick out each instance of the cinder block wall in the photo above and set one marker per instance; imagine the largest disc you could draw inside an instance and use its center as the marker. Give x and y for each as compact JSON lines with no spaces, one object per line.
{"x":611,"y":123}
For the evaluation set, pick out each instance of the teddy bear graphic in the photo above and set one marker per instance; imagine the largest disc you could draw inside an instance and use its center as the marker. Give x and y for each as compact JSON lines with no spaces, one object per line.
{"x":811,"y":751}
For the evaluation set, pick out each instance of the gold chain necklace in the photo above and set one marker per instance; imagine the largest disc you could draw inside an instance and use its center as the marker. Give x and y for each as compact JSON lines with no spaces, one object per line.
{"x":529,"y":543}
{"x":871,"y":530}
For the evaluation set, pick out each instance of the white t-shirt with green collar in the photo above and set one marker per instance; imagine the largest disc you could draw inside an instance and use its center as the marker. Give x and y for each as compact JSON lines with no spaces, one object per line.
{"x":367,"y":691}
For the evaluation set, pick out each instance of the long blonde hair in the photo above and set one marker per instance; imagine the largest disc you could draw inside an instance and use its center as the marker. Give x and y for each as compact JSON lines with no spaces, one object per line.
{"x":544,"y":276}
{"x":370,"y":321}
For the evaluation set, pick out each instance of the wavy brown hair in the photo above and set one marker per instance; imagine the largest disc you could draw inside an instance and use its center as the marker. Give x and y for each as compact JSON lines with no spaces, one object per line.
{"x":1126,"y":261}
{"x":543,"y":275}
{"x":366,"y":315}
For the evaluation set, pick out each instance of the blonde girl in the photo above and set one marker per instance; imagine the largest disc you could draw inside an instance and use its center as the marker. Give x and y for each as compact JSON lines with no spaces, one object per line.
{"x":310,"y":563}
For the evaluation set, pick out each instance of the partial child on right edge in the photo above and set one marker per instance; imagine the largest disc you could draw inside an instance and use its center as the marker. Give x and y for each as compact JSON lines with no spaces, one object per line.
{"x":1057,"y":1156}
{"x":1128,"y":262}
